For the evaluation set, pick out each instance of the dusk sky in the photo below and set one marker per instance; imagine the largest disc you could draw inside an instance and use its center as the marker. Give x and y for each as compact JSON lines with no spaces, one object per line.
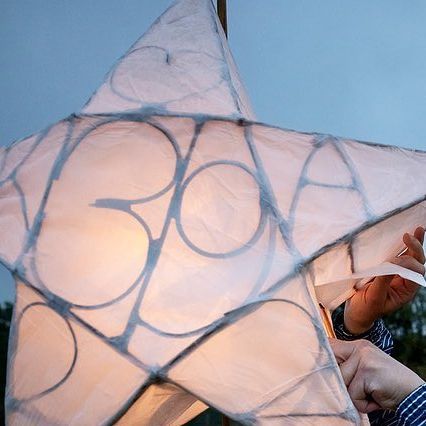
{"x":352,"y":68}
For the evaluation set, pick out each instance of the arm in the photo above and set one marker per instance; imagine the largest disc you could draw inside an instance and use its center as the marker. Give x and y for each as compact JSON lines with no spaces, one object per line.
{"x":377,"y":381}
{"x":361,"y":319}
{"x":378,"y":334}
{"x":412,"y":410}
{"x":386,"y":294}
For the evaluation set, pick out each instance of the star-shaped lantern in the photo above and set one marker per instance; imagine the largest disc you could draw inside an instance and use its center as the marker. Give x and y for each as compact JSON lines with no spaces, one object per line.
{"x":170,"y":252}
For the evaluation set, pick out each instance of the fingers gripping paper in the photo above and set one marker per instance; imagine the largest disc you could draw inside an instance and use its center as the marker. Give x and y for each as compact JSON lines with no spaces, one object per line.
{"x":167,"y":248}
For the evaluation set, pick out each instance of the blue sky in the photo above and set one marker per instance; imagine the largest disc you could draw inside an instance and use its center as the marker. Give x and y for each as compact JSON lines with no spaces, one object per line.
{"x":352,"y":68}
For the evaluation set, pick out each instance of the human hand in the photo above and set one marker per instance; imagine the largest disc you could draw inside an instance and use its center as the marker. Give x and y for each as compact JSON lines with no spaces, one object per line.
{"x":386,"y":294}
{"x":374,"y":379}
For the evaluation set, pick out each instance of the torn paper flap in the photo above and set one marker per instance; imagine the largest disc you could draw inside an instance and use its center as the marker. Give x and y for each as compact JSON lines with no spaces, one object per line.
{"x":332,"y":294}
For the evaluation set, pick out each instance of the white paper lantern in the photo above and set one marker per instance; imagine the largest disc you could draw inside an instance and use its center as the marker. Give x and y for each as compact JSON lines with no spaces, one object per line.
{"x":170,"y":252}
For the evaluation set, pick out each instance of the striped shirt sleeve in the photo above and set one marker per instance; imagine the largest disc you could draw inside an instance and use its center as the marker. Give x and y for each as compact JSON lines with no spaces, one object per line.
{"x":379,"y":335}
{"x":412,"y":410}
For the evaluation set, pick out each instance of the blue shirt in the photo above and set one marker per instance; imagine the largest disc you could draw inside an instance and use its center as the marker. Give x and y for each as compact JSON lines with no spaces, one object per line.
{"x":412,"y":410}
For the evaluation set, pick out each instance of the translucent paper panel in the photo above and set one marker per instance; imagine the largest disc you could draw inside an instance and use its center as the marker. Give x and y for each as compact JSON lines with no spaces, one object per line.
{"x":163,"y":405}
{"x":181,"y":65}
{"x":339,"y":270}
{"x":170,"y":253}
{"x":12,"y":217}
{"x":259,"y":366}
{"x":59,"y":371}
{"x":22,"y":190}
{"x":330,"y":179}
{"x":173,"y":245}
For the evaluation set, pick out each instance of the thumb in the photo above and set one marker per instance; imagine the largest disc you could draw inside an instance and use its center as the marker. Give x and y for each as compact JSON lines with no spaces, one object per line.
{"x":342,"y":350}
{"x":378,"y":290}
{"x":347,"y":358}
{"x":367,"y":406}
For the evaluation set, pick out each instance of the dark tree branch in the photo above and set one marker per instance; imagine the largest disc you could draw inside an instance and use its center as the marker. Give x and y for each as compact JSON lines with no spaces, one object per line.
{"x":221,"y":11}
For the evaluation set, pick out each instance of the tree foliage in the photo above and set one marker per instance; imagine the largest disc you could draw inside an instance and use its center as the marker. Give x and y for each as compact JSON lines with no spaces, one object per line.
{"x":5,"y":318}
{"x":408,"y":328}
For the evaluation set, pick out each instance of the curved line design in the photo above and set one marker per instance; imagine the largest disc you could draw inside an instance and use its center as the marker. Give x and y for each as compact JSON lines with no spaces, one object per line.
{"x":75,"y":349}
{"x":168,"y":57}
{"x":279,"y":226}
{"x":244,"y":246}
